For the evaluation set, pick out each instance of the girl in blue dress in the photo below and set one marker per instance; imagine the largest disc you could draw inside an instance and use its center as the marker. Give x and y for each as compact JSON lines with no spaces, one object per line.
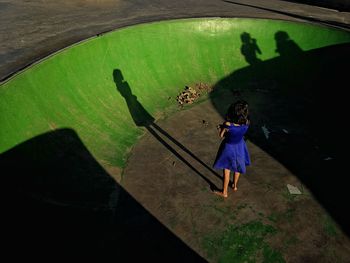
{"x":233,"y":153}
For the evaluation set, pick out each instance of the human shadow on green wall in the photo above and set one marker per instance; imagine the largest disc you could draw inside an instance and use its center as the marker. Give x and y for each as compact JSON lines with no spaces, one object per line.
{"x":285,"y":46}
{"x":59,"y":202}
{"x":298,"y":97}
{"x":142,"y":118}
{"x":250,"y":49}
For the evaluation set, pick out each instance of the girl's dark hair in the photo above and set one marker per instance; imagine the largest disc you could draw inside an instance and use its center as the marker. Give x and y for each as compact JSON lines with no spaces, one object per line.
{"x":238,"y":112}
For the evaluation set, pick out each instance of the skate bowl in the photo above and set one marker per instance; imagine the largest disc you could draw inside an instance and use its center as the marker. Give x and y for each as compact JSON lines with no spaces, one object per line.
{"x":69,"y":121}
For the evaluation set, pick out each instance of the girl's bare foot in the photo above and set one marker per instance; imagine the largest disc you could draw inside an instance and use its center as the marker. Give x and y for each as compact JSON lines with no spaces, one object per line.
{"x":220,"y":194}
{"x":234,"y":189}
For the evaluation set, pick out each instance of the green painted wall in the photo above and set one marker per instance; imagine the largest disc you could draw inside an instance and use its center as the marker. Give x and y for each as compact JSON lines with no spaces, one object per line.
{"x":75,"y":88}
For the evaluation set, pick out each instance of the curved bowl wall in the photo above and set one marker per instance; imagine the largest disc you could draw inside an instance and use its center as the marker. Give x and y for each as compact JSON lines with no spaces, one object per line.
{"x":76,"y":88}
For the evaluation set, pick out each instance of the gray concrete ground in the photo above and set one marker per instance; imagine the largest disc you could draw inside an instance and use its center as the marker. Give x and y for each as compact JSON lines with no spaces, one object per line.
{"x":33,"y":29}
{"x":170,"y":173}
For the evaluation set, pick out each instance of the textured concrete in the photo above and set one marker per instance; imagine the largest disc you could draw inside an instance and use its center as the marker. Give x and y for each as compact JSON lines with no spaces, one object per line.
{"x":170,"y":172}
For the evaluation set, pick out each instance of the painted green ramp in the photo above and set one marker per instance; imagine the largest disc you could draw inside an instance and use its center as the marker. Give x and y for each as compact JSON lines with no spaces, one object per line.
{"x":86,"y":87}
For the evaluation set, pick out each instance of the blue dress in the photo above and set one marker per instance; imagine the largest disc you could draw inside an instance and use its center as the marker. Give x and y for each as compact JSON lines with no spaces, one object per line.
{"x":233,"y":153}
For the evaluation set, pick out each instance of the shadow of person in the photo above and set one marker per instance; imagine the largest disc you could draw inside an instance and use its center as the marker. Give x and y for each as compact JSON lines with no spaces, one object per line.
{"x":249,"y":48}
{"x":138,"y":113}
{"x":142,"y":118}
{"x":285,"y":46}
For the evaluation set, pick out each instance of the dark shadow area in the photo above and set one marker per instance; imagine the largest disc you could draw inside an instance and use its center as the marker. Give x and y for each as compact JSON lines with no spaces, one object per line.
{"x":306,"y":18}
{"x":341,"y":5}
{"x":300,"y":98}
{"x":249,"y":49}
{"x":143,"y":119}
{"x":285,"y":46}
{"x":60,"y":202}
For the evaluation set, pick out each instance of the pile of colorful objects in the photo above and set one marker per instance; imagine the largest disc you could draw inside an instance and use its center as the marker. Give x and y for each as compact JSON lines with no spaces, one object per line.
{"x":189,"y":95}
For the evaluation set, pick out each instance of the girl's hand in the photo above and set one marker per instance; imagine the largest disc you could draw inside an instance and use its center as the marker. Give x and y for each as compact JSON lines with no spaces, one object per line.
{"x":220,"y":126}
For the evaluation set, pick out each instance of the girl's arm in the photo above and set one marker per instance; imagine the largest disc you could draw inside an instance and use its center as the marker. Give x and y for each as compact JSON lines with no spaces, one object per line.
{"x":222,"y":129}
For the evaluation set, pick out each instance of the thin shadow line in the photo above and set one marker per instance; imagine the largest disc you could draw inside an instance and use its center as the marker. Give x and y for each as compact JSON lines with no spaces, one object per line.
{"x":151,"y":128}
{"x":184,"y":149}
{"x":312,"y":19}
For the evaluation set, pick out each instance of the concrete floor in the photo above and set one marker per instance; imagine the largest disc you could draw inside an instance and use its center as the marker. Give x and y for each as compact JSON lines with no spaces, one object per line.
{"x":170,"y":173}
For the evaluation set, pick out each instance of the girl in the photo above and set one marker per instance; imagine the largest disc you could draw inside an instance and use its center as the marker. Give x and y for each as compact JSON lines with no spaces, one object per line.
{"x":233,"y":153}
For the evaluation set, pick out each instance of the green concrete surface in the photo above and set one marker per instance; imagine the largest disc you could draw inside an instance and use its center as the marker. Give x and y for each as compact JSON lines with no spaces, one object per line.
{"x":75,"y":88}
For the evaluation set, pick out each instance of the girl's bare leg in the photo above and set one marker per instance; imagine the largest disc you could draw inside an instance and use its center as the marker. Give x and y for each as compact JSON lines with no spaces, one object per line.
{"x":225,"y":184}
{"x":235,"y":178}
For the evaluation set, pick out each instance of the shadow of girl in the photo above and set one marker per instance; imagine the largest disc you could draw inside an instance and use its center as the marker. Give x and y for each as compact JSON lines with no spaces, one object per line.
{"x":142,"y":118}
